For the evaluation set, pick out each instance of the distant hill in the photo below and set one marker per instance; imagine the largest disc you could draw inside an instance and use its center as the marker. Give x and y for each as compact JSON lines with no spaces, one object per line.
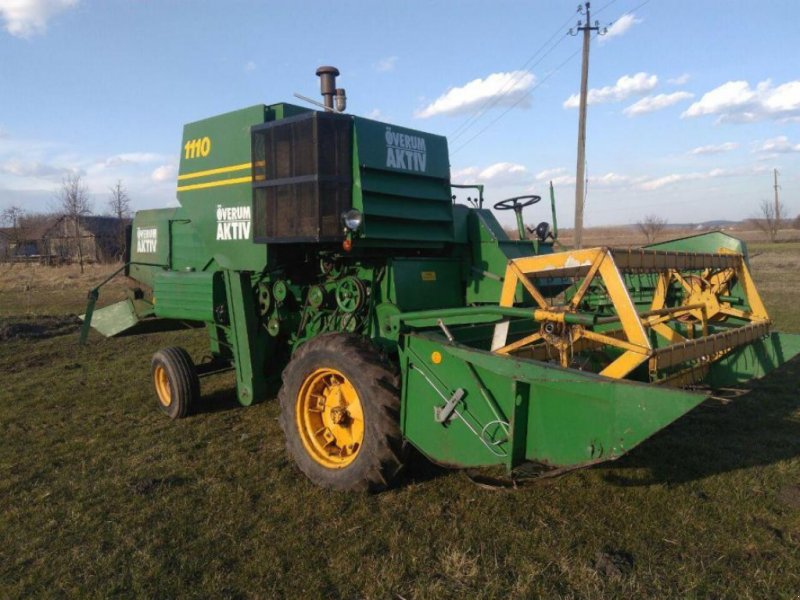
{"x":717,"y":224}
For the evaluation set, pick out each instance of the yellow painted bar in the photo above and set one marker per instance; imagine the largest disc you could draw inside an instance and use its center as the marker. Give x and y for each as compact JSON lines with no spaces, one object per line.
{"x":618,"y":292}
{"x":614,"y":341}
{"x":216,"y":171}
{"x":526,"y":341}
{"x":210,"y":184}
{"x":624,"y":365}
{"x":537,"y":296}
{"x":757,"y":308}
{"x":587,"y":280}
{"x":572,"y":259}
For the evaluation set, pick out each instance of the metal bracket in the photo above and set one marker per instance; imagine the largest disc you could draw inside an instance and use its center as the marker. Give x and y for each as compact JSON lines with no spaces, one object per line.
{"x":443,"y":414}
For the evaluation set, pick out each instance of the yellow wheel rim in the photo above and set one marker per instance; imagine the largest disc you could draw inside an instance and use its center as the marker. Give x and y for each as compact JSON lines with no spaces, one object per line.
{"x":330,"y":418}
{"x":162,"y":385}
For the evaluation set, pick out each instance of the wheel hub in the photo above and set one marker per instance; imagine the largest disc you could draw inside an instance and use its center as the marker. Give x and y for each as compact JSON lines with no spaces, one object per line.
{"x":339,"y":415}
{"x":329,"y":418}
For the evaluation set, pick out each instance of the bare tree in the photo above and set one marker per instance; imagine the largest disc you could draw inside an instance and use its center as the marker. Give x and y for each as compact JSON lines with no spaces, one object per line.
{"x":13,"y":217}
{"x":651,"y":226}
{"x":771,"y":219}
{"x":120,"y":204}
{"x":74,"y":203}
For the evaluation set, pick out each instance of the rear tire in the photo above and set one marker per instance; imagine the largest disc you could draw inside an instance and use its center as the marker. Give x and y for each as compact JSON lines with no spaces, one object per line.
{"x":176,"y":382}
{"x":340,"y":413}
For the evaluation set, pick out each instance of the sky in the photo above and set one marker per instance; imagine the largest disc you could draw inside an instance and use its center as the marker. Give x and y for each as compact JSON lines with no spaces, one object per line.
{"x":692,"y":103}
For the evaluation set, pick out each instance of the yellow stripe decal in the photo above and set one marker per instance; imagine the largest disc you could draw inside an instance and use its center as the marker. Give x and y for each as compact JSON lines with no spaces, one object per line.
{"x":200,"y":186}
{"x":196,"y":174}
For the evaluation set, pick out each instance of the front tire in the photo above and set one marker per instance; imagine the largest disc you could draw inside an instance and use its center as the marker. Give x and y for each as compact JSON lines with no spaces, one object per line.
{"x":340,"y":413}
{"x":176,"y":382}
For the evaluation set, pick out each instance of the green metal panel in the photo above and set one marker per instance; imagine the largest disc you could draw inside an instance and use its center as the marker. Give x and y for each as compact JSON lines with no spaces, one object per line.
{"x":114,"y":319}
{"x":186,"y":295}
{"x":711,"y":242}
{"x":214,"y":186}
{"x":184,"y":243}
{"x":250,"y":343}
{"x":754,"y":360}
{"x":419,"y":284}
{"x":150,"y":236}
{"x":490,"y":252}
{"x":562,"y":417}
{"x":401,"y":183}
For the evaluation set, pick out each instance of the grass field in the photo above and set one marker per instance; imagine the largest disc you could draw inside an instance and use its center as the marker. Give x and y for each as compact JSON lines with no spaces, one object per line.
{"x":102,"y":496}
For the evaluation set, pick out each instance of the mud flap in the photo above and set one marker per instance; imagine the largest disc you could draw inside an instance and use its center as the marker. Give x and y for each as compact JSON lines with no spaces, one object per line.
{"x":113,"y":319}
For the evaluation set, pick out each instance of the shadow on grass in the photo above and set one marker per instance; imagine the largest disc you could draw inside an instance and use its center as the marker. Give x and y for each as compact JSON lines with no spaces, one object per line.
{"x":418,"y":469}
{"x":752,"y":430}
{"x":756,"y":429}
{"x":219,"y":401}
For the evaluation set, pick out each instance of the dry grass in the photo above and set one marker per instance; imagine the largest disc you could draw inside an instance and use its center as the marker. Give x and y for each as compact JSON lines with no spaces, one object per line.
{"x":32,"y":289}
{"x":630,"y":236}
{"x":103,"y":497}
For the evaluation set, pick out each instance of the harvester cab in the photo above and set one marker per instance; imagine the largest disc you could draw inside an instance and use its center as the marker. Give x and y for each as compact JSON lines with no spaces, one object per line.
{"x":327,"y":258}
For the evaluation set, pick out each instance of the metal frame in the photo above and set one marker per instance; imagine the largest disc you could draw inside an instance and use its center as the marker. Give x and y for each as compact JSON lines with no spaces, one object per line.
{"x":705,"y":302}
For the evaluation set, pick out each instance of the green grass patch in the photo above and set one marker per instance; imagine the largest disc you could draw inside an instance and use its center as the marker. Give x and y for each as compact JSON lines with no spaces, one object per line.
{"x":103,"y":496}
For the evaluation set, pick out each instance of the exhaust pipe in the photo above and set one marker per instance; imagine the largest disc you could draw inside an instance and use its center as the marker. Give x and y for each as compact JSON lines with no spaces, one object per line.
{"x":327,"y":85}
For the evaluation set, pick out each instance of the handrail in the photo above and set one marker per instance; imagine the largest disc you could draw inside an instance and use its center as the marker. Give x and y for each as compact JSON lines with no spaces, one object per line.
{"x":476,"y":186}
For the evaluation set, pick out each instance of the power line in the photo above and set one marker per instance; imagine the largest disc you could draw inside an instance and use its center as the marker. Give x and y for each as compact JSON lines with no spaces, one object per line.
{"x":605,"y":6}
{"x":502,"y":114}
{"x":543,"y":80}
{"x":493,"y":100}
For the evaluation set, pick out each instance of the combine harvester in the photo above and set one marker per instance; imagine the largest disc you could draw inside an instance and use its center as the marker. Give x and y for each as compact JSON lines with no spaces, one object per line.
{"x":327,"y":258}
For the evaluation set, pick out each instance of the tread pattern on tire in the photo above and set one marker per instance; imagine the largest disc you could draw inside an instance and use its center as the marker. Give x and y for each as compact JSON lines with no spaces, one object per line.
{"x":184,"y":382}
{"x":377,"y":381}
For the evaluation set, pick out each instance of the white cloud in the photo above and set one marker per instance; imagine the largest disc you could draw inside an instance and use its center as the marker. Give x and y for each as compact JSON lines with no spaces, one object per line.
{"x":164,"y":173}
{"x":679,"y":80}
{"x":375,"y":113}
{"x":650,"y":104}
{"x":24,"y":18}
{"x":620,"y":27}
{"x":714,"y":148}
{"x":737,"y":102}
{"x":385,"y":65}
{"x":465,"y":175}
{"x":501,"y":173}
{"x":250,"y":66}
{"x":610,"y":179}
{"x":659,"y":182}
{"x":560,"y":176}
{"x":625,"y":87}
{"x":130,"y":158}
{"x":509,"y":89}
{"x":502,"y":169}
{"x":34,"y":169}
{"x":550,"y":173}
{"x":666,"y":180}
{"x":778,"y":145}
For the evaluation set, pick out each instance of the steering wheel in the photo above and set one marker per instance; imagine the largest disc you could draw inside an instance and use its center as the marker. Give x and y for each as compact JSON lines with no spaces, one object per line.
{"x":516,"y":203}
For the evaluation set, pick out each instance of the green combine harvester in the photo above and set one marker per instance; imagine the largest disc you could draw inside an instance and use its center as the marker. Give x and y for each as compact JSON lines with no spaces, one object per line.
{"x":328,"y":259}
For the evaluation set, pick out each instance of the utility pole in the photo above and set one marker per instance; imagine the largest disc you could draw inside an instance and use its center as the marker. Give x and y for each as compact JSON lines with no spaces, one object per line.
{"x":580,"y":176}
{"x":777,"y":201}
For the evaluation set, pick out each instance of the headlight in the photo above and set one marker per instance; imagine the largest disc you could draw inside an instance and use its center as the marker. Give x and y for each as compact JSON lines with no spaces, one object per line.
{"x":352,"y":219}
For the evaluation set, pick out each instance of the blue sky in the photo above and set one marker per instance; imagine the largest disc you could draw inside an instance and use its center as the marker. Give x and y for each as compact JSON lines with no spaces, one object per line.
{"x":693,"y":102}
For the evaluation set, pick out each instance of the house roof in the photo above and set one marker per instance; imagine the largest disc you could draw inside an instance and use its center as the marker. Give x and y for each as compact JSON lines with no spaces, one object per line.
{"x":39,"y":227}
{"x":97,"y":225}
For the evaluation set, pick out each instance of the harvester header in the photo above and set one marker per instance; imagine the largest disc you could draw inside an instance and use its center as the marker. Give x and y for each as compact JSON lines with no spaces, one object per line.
{"x":329,"y":260}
